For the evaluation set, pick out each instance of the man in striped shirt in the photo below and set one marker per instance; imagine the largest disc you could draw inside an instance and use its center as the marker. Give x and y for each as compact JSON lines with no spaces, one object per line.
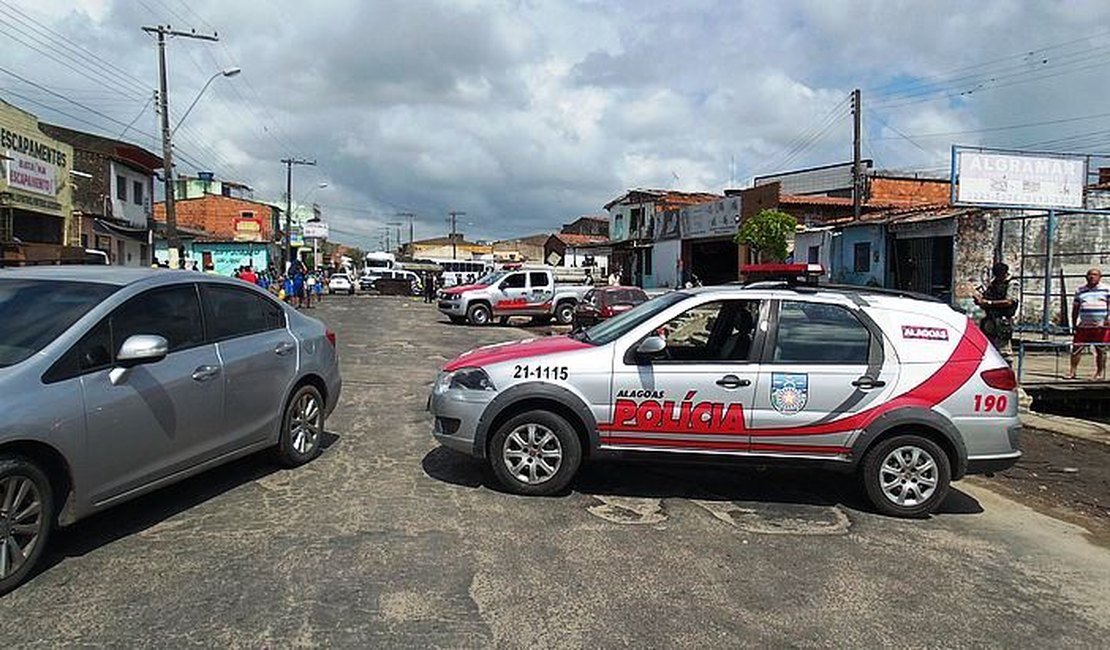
{"x":1090,"y":312}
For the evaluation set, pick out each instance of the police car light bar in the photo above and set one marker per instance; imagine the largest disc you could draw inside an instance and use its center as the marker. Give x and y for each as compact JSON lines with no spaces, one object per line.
{"x":790,"y":273}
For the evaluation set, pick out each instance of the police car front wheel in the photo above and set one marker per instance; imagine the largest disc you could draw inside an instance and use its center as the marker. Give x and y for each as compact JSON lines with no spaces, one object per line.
{"x":906,"y":476}
{"x":535,"y":453}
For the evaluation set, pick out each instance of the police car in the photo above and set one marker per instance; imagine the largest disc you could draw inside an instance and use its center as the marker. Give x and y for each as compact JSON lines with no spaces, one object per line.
{"x":897,"y":388}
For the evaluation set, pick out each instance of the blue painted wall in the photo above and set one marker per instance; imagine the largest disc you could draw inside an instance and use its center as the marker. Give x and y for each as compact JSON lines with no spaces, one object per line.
{"x":842,"y":260}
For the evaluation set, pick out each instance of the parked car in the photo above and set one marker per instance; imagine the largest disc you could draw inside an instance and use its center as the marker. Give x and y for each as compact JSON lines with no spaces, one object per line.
{"x":901,"y":390}
{"x":503,"y":294}
{"x":341,"y":282}
{"x":118,"y":381}
{"x":371,"y":276}
{"x":602,"y":303}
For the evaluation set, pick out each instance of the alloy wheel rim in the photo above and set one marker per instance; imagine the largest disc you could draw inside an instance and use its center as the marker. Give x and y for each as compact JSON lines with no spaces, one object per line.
{"x":908,"y":476}
{"x":21,"y":522}
{"x":532,"y":453}
{"x":305,"y":425}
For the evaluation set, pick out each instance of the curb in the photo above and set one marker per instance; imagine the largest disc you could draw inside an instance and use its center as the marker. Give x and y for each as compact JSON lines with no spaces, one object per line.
{"x":1090,"y":430}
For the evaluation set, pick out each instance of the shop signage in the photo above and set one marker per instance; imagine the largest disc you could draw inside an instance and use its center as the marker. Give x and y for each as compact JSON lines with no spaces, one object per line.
{"x":315,"y":230}
{"x":710,"y":219}
{"x":30,"y":174}
{"x":1037,"y":181}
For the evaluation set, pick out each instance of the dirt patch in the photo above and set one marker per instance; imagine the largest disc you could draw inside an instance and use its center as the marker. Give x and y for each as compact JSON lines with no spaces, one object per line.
{"x":1065,"y":477}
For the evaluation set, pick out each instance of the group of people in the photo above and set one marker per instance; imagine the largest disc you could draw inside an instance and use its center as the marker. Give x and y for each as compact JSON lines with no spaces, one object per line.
{"x":296,"y":286}
{"x":1090,"y":317}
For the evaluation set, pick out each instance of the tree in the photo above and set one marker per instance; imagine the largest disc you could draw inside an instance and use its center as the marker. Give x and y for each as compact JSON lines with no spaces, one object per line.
{"x":768,"y":233}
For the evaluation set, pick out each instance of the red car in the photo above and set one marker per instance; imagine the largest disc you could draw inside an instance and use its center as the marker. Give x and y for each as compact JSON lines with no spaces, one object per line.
{"x":605,"y":302}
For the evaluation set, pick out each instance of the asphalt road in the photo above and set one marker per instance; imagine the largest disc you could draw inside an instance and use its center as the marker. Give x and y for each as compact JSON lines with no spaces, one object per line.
{"x":388,"y":540}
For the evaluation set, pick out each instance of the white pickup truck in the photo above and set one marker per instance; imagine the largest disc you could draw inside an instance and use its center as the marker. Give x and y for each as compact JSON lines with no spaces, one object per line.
{"x":502,"y":294}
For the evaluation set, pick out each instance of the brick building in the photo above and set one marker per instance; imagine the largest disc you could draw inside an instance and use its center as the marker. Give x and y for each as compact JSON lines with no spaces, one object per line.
{"x":224,"y":218}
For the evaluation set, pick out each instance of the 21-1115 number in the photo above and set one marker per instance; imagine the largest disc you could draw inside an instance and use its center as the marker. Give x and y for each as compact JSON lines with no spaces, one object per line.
{"x":990,"y":403}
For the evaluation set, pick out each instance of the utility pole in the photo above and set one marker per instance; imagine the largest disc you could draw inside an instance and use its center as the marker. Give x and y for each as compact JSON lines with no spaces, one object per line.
{"x":857,"y":173}
{"x":173,"y":243}
{"x":454,"y":218}
{"x":289,"y":162}
{"x":412,"y":228}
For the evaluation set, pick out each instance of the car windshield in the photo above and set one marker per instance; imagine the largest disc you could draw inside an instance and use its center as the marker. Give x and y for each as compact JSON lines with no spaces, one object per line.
{"x":492,"y":277}
{"x":616,"y":327}
{"x":37,"y":311}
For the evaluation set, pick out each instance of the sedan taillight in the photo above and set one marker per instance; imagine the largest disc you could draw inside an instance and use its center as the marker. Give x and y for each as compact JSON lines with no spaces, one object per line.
{"x":330,"y":336}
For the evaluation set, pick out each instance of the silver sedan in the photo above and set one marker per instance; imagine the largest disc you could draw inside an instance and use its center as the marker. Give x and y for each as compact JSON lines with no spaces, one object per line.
{"x":115,"y":382}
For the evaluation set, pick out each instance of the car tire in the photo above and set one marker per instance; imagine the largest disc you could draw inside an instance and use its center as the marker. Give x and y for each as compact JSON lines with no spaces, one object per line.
{"x":478,"y":314}
{"x":331,"y":292}
{"x":906,"y":476}
{"x":504,"y":320}
{"x":29,"y":531}
{"x":564,"y":313}
{"x":536,"y":453}
{"x":351,"y":292}
{"x":302,"y":427}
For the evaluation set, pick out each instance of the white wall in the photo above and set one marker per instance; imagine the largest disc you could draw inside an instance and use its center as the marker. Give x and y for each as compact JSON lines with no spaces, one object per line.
{"x":124,"y":207}
{"x":577,"y":256}
{"x":664,"y":263}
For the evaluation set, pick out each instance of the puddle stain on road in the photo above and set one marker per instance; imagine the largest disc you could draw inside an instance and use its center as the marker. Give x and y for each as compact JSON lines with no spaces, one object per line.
{"x":766,"y":519}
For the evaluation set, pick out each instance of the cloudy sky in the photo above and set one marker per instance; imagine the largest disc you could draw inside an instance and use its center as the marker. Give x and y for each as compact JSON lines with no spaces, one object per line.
{"x":528,"y":113}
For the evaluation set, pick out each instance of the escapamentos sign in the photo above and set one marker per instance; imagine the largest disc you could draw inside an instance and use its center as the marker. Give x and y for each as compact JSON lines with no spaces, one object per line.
{"x":31,"y":175}
{"x":993,"y":178}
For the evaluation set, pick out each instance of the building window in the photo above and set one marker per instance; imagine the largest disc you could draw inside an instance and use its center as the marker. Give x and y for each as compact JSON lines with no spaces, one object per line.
{"x":137,"y":192}
{"x":862,"y":258}
{"x":121,"y":188}
{"x":814,"y":255}
{"x":637,"y":219}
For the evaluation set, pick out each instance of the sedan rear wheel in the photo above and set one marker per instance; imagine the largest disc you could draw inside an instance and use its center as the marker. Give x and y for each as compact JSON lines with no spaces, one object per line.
{"x":26,"y":508}
{"x":302,"y":427}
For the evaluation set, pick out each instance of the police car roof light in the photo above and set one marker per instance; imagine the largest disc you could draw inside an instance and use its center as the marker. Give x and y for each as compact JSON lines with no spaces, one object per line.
{"x":791,"y":274}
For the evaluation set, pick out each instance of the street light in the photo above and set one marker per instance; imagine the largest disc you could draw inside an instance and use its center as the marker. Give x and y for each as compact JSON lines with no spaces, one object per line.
{"x":228,"y":72}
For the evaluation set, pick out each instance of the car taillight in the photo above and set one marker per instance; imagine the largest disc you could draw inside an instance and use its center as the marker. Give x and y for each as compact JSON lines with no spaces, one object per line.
{"x":330,"y":336}
{"x":606,"y":311}
{"x":1000,"y":378}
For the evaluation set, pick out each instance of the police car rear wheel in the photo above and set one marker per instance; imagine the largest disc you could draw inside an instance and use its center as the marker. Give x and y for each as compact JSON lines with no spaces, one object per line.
{"x":906,"y":476}
{"x":564,"y":313}
{"x":535,"y":453}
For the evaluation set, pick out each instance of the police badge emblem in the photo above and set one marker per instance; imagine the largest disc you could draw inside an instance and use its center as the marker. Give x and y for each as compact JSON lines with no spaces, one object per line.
{"x":789,"y":392}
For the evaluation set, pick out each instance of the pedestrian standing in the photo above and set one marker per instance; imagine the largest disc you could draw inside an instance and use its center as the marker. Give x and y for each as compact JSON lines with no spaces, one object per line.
{"x":1090,"y":312}
{"x":247,"y":275}
{"x":999,"y":309}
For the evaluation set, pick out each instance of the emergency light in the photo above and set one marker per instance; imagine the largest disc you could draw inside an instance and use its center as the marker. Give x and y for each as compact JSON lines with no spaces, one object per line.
{"x":788,"y":273}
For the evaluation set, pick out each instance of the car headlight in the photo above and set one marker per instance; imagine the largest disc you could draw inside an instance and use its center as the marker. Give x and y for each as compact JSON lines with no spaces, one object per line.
{"x":465,"y":379}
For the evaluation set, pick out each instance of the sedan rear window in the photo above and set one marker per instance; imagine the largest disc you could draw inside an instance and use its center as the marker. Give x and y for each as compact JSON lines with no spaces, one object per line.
{"x":38,"y":311}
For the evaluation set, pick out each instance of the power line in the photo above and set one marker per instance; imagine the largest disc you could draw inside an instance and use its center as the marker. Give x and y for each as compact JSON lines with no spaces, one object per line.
{"x":68,"y":44}
{"x":1009,"y":127}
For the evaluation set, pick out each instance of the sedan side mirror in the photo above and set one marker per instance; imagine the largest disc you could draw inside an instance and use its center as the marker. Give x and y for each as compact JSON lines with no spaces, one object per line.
{"x":139,"y":349}
{"x":651,"y":346}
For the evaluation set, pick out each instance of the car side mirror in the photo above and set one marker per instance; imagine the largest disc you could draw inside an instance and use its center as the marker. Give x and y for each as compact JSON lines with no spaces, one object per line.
{"x":651,"y":346}
{"x":140,"y":349}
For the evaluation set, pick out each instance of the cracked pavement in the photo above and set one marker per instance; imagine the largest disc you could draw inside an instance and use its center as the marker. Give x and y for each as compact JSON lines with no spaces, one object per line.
{"x":389,"y":540}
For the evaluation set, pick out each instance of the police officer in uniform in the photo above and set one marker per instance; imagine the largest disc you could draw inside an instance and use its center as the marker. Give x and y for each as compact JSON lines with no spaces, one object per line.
{"x":994,"y":299}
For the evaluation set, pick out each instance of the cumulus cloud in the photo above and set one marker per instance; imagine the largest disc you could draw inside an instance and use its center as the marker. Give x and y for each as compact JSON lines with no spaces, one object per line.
{"x":527,"y":113}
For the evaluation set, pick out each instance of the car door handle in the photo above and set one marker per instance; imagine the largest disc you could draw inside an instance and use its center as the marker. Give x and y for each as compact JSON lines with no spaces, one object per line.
{"x":732,"y":381}
{"x":204,"y":373}
{"x":866,"y":383}
{"x":283,"y":349}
